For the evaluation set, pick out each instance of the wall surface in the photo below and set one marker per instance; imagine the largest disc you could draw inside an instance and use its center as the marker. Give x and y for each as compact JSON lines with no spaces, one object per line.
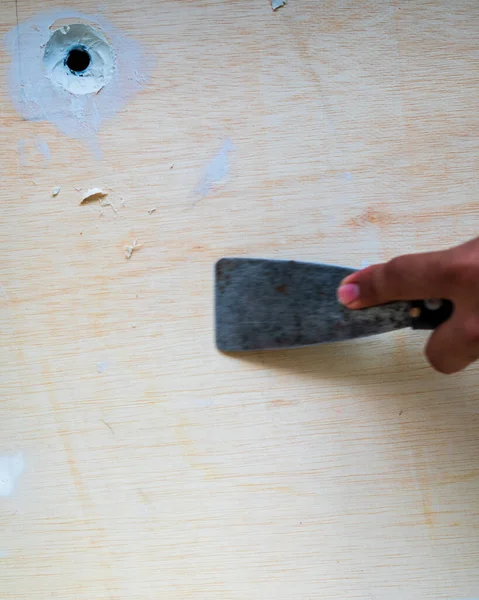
{"x":136,"y":461}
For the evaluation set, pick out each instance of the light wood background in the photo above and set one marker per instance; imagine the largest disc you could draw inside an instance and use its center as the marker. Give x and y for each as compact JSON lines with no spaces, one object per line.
{"x":347,"y":471}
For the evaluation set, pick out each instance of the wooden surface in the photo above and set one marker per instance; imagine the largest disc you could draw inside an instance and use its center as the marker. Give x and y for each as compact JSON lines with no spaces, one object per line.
{"x":156,"y":467}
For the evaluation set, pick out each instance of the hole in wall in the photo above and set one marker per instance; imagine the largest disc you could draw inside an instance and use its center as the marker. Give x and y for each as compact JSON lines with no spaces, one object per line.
{"x":78,"y":60}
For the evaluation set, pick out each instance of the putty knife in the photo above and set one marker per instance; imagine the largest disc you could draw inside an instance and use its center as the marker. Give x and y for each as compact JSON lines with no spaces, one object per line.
{"x":263,"y":304}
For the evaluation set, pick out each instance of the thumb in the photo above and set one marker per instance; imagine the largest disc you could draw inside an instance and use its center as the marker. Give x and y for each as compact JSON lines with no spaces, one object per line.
{"x":408,"y":277}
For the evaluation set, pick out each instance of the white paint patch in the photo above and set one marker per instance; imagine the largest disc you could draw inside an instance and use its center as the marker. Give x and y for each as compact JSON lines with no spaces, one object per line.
{"x":21,"y":153}
{"x":216,"y":170}
{"x":11,"y":467}
{"x":42,"y":147}
{"x":40,"y":83}
{"x":103,"y":366}
{"x":275,"y":4}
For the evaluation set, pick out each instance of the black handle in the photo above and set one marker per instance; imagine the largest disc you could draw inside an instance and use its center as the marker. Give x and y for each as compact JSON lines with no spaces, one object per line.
{"x":429,"y":314}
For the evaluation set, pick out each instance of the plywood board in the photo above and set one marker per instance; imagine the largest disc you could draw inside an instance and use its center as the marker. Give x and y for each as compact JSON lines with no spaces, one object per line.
{"x":156,"y":467}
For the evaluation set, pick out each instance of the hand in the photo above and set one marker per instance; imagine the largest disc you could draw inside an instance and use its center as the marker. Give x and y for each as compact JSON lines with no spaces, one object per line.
{"x":451,"y":274}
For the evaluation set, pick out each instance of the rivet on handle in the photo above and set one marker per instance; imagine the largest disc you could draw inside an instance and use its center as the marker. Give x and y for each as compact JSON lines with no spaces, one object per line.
{"x":433,"y":303}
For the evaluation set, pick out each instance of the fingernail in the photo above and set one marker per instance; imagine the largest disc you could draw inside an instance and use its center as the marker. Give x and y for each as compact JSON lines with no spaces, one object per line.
{"x":348,"y":293}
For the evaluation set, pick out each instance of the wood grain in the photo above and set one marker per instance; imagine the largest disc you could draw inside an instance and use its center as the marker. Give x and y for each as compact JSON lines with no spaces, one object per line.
{"x":348,"y":471}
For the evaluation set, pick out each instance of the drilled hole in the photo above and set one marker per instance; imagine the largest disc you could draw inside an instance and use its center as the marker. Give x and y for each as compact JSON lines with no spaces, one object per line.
{"x":78,"y":60}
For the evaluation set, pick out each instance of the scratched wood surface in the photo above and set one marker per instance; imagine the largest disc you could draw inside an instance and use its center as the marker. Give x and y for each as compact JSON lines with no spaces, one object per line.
{"x":156,"y":467}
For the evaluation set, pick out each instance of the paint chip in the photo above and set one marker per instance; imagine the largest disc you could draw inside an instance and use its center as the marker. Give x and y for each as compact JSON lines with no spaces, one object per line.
{"x":56,"y":191}
{"x":131,"y":248}
{"x":93,"y":194}
{"x":275,"y":4}
{"x":152,"y":210}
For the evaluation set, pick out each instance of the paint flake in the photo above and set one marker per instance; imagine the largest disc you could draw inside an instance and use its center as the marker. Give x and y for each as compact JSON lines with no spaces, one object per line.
{"x":131,"y":248}
{"x":93,"y":194}
{"x":275,"y":4}
{"x":56,"y":191}
{"x":152,"y":210}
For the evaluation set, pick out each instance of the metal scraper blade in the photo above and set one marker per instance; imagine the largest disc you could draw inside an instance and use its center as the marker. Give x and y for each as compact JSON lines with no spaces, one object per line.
{"x":266,"y":304}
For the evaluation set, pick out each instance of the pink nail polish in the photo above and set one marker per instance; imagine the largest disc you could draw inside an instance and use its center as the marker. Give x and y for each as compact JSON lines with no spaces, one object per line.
{"x":348,"y":293}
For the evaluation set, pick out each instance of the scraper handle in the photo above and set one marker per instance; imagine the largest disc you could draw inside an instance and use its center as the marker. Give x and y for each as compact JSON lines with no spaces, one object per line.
{"x":429,"y":314}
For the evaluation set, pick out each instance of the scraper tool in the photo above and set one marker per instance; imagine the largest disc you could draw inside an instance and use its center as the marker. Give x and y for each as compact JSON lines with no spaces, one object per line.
{"x":265,"y":304}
